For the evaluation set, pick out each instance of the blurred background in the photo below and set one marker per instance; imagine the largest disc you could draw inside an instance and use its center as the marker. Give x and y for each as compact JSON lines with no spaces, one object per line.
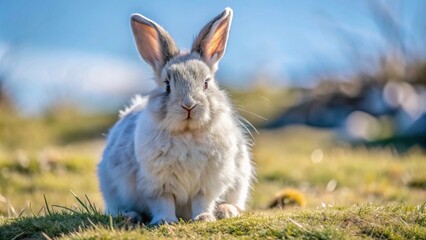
{"x":336,"y":89}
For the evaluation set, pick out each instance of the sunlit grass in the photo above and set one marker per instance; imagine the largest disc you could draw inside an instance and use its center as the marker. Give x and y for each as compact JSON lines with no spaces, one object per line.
{"x":328,"y":172}
{"x":390,"y":221}
{"x":62,"y":126}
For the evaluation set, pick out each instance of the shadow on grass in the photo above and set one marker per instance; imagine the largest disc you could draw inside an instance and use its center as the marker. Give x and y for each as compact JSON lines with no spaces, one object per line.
{"x":54,"y":225}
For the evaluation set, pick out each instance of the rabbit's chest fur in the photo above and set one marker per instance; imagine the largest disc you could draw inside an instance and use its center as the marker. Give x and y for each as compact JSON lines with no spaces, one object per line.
{"x":184,"y":164}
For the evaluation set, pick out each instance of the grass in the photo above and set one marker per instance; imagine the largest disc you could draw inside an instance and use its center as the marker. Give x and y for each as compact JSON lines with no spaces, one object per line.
{"x":329,"y":172}
{"x":63,"y":126}
{"x":390,"y":221}
{"x":348,"y":192}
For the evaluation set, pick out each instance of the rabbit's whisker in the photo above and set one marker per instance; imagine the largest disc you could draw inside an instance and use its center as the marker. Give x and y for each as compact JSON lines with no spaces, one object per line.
{"x":257,"y":115}
{"x":249,"y":123}
{"x":248,"y":130}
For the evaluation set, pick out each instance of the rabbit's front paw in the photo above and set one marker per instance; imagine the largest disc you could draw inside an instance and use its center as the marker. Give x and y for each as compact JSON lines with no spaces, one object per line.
{"x":161,"y":221}
{"x":205,"y":217}
{"x":132,"y":217}
{"x":226,"y":211}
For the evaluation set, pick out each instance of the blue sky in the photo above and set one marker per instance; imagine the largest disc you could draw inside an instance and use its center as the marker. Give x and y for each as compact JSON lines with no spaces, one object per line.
{"x":281,"y":39}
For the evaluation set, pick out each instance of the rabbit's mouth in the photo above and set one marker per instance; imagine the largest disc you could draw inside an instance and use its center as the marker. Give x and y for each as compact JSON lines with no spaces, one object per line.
{"x":190,"y":121}
{"x":188,"y":111}
{"x":189,"y":124}
{"x":188,"y":117}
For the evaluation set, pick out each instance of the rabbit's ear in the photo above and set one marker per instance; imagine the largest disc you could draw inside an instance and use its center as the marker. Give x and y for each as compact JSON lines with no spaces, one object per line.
{"x":211,"y":41}
{"x":155,"y":45}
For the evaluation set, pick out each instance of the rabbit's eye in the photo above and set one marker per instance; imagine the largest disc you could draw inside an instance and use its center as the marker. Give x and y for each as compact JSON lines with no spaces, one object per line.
{"x":167,"y":86}
{"x":206,"y":83}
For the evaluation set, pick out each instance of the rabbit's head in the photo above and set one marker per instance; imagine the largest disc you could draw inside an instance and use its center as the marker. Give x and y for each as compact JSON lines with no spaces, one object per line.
{"x":187,"y":96}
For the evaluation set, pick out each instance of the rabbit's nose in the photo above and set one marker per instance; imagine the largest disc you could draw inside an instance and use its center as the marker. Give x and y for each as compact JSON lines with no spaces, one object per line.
{"x":188,"y":102}
{"x":188,"y":107}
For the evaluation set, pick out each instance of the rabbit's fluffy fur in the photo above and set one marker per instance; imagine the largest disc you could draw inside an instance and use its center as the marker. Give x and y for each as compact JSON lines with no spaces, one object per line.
{"x":181,"y":151}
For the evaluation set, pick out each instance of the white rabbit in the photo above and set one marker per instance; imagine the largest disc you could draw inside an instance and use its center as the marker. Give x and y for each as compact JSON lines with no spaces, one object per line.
{"x":180,"y":152}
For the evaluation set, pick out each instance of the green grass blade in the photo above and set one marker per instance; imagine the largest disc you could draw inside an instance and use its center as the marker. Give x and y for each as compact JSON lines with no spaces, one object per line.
{"x":91,"y":205}
{"x":81,"y":202}
{"x":47,"y":205}
{"x":66,"y":208}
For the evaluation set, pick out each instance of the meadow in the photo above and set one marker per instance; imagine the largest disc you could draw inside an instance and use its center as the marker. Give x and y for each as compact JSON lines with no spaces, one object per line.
{"x":327,"y":189}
